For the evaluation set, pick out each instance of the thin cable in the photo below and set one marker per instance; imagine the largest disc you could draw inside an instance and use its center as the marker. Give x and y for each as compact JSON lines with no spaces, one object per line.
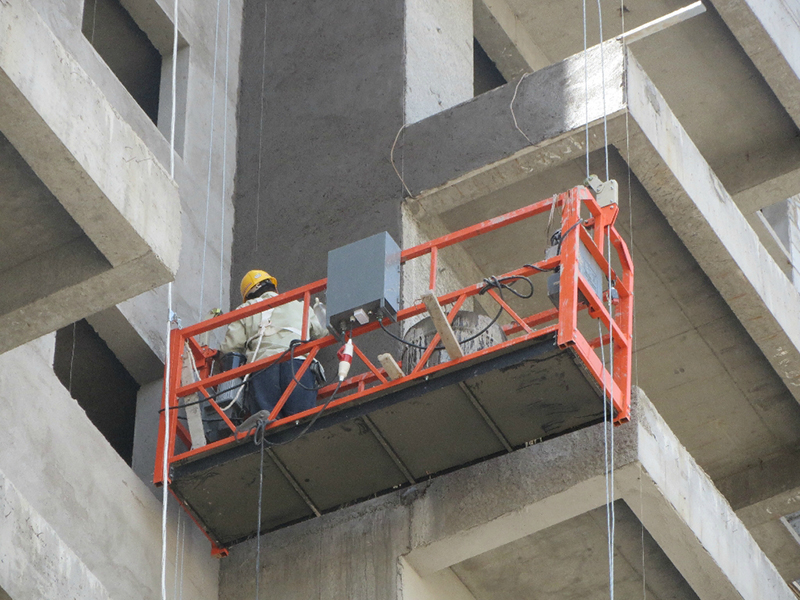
{"x":94,"y":20}
{"x":586,"y":84}
{"x":391,"y":158}
{"x":261,"y":130}
{"x":72,"y":357}
{"x":165,"y":463}
{"x":603,"y":76}
{"x":177,"y":554}
{"x":210,"y":163}
{"x":224,"y":153}
{"x":258,"y":526}
{"x":606,"y":410}
{"x":165,"y":452}
{"x":174,"y":94}
{"x":641,"y":520}
{"x":511,"y":107}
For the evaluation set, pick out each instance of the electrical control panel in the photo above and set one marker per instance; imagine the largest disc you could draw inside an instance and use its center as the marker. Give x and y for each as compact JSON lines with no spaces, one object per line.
{"x":363,"y":283}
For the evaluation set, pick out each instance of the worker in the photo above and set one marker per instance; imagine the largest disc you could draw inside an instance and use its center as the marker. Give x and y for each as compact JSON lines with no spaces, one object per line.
{"x":271,"y":332}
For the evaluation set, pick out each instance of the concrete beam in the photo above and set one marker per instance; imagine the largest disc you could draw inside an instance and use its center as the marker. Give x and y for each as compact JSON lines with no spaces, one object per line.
{"x":767,"y":31}
{"x":478,"y":150}
{"x":408,"y":541}
{"x":656,"y":477}
{"x":505,"y":39}
{"x":711,"y":226}
{"x":103,"y":174}
{"x":475,"y":148}
{"x":768,"y":192}
{"x":34,"y":561}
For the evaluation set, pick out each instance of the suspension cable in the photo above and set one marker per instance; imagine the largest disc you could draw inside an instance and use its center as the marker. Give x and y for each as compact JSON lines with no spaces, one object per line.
{"x":165,"y":463}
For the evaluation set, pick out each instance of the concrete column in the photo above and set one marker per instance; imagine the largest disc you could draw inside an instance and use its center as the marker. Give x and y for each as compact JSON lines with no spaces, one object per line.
{"x":81,"y":489}
{"x":438,"y":56}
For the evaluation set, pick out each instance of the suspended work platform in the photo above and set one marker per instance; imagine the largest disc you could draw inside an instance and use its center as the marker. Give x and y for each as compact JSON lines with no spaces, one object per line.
{"x":377,"y":434}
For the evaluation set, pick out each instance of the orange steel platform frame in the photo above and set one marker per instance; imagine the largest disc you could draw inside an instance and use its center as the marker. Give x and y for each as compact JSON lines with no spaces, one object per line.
{"x":576,"y":295}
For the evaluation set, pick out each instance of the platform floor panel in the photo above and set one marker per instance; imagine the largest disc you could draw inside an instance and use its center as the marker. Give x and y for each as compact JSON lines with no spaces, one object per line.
{"x":380,"y":444}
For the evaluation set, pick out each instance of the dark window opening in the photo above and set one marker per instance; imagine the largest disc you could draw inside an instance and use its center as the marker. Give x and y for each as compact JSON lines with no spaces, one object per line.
{"x":99,"y":383}
{"x":486,"y":75}
{"x":126,"y":49}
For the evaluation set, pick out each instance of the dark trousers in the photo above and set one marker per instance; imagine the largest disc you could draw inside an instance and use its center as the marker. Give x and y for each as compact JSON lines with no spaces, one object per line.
{"x":268,"y":385}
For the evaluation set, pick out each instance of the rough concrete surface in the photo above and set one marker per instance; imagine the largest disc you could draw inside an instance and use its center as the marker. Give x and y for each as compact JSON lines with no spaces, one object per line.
{"x":423,"y":531}
{"x":438,"y":59}
{"x":34,"y":561}
{"x":767,"y":30}
{"x":94,"y":164}
{"x":93,"y":501}
{"x":703,"y":214}
{"x":550,"y":108}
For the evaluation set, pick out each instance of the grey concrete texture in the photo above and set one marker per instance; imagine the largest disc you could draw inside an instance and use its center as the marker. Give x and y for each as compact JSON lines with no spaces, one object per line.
{"x":727,"y":249}
{"x":453,"y":518}
{"x":438,"y":57}
{"x":69,"y":474}
{"x":321,"y":101}
{"x":34,"y":561}
{"x":208,"y":70}
{"x":767,"y":30}
{"x":711,"y":226}
{"x":94,"y":163}
{"x":546,"y":104}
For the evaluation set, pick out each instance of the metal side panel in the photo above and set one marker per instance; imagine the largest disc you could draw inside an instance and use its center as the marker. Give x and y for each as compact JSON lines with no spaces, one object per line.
{"x":340,"y":464}
{"x":224,"y":498}
{"x":539,"y":398}
{"x":436,"y":432}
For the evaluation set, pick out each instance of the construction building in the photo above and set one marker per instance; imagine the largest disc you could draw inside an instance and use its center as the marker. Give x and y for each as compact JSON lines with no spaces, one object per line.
{"x":151,"y":153}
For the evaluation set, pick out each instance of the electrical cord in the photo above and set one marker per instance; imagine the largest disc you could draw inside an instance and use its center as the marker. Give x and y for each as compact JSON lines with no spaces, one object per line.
{"x":500,"y":283}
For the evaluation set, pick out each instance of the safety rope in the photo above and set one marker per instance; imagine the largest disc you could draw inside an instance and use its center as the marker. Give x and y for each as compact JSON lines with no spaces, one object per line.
{"x":261,"y":131}
{"x":622,"y":10}
{"x":608,"y":408}
{"x":224,"y":153}
{"x":165,"y":463}
{"x":586,"y":86}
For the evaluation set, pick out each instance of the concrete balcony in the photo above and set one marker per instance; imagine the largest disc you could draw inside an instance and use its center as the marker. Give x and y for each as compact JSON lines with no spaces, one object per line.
{"x":91,"y":216}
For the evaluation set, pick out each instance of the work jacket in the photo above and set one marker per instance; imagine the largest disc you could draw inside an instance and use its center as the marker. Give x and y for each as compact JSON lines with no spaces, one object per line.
{"x":271,"y":331}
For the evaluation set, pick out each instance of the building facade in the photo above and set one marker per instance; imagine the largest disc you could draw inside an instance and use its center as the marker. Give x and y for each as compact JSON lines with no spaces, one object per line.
{"x":296,"y":128}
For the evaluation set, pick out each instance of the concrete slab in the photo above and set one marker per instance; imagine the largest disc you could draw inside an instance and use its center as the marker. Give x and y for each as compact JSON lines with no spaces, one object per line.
{"x":462,"y":165}
{"x":100,"y":171}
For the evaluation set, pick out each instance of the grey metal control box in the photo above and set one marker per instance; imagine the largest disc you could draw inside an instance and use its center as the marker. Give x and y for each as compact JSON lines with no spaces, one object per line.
{"x":363,"y":282}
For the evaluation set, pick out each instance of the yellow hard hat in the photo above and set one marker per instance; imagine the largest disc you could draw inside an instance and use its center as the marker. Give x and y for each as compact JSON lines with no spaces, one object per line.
{"x":253,"y":278}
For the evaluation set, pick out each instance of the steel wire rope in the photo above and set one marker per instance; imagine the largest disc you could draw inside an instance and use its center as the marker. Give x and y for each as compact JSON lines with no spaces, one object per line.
{"x":224,"y":151}
{"x":609,"y":460}
{"x":210,"y":163}
{"x":261,"y":129}
{"x":170,"y":318}
{"x":635,"y":365}
{"x":586,"y":85}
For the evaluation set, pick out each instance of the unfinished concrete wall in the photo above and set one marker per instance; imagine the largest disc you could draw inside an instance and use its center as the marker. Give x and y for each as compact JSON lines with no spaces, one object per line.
{"x":70,"y":476}
{"x":412,"y":544}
